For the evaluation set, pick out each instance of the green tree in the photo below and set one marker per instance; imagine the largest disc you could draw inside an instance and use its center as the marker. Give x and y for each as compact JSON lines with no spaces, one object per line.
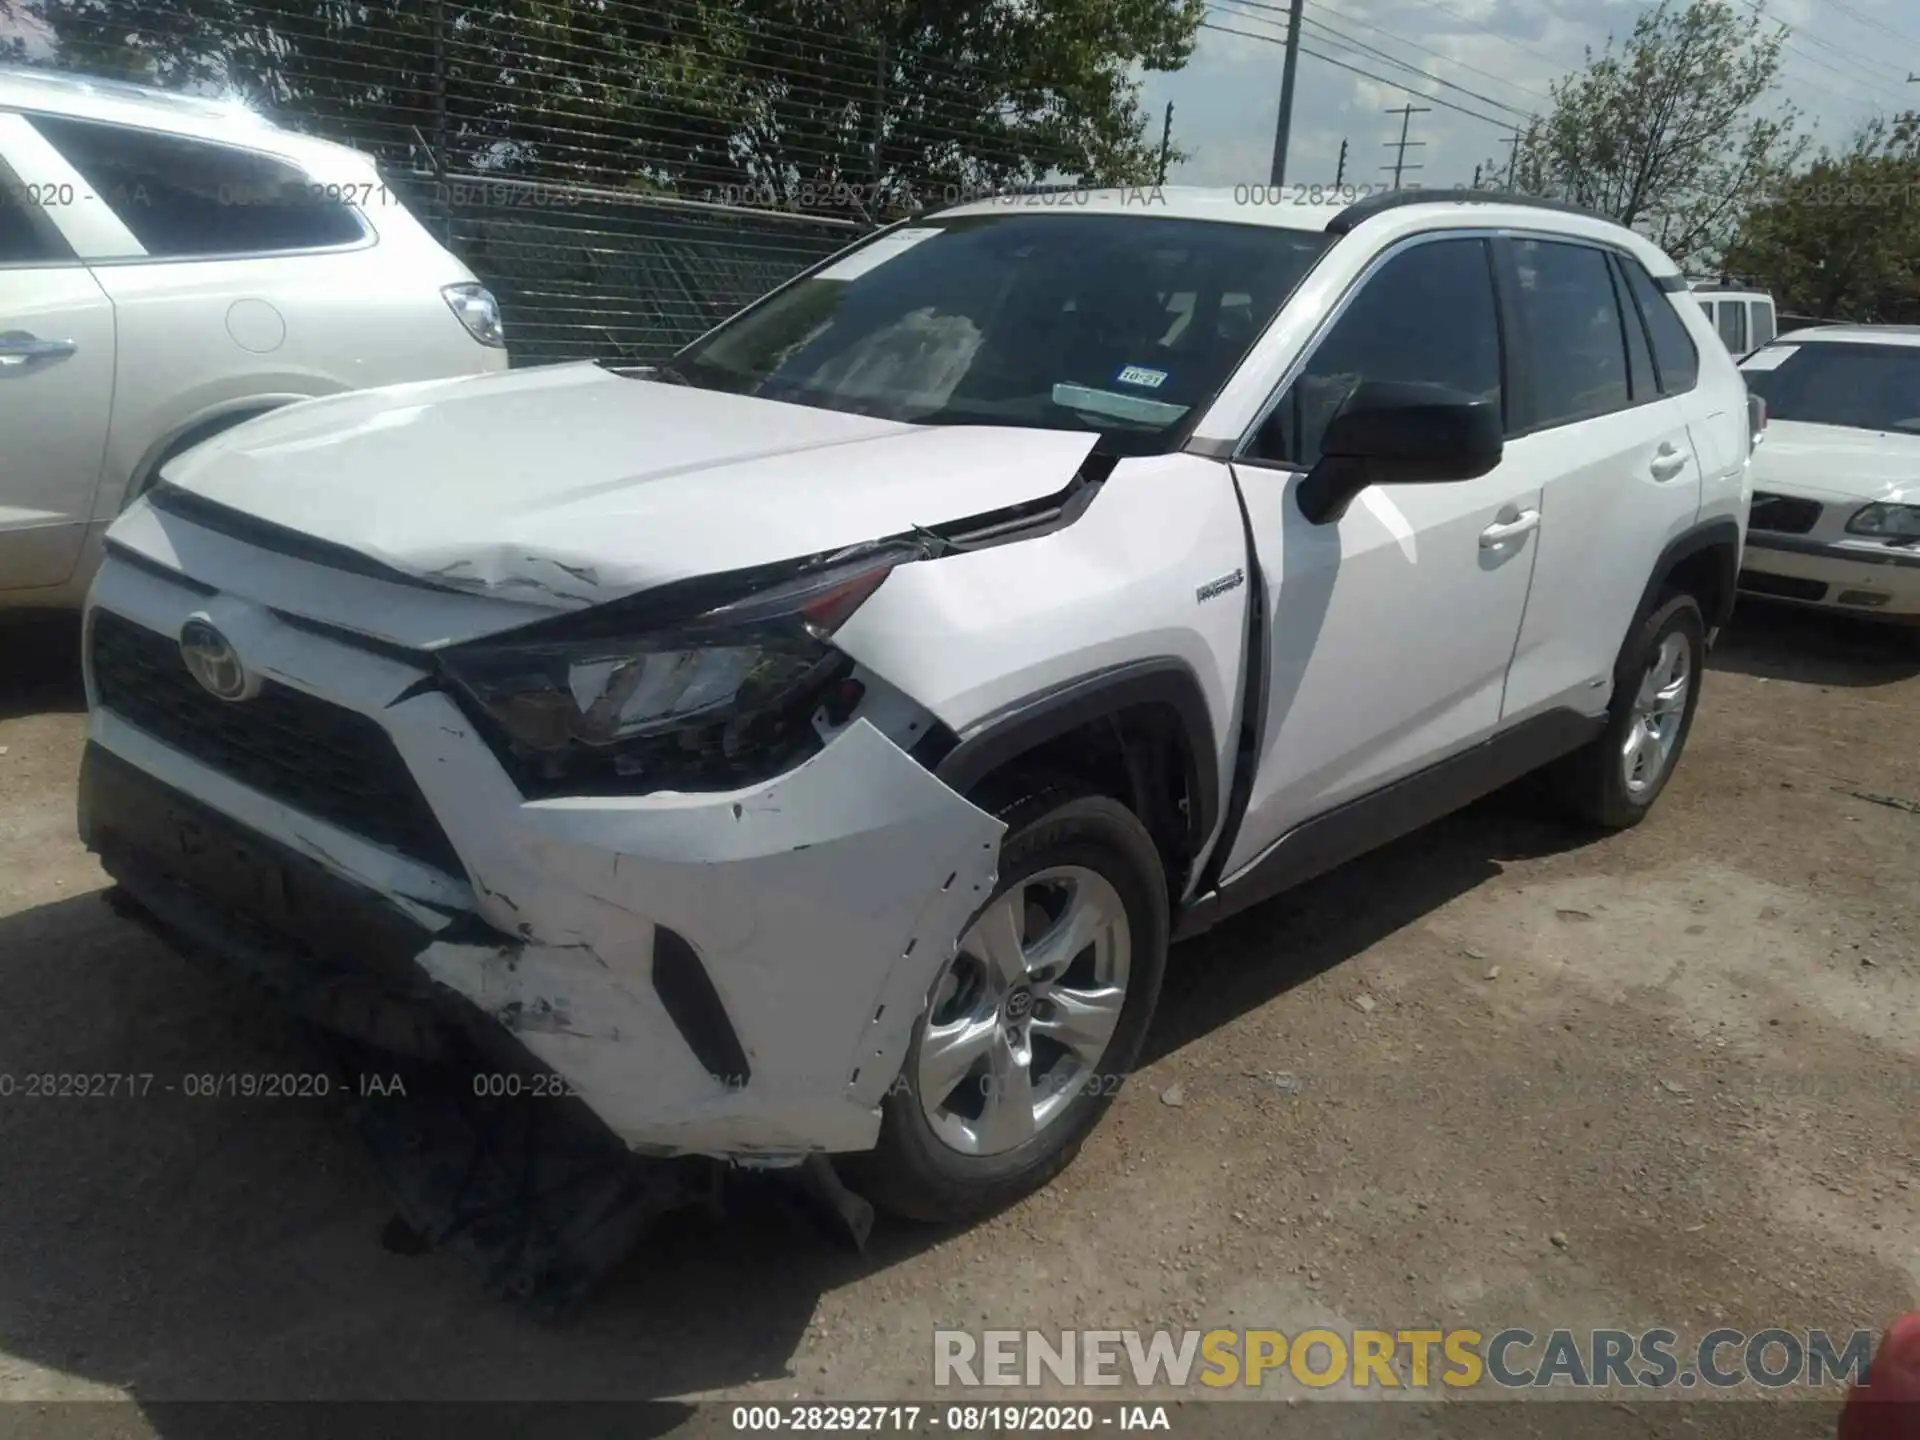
{"x":1670,"y":133}
{"x":851,"y":107}
{"x":1841,"y":240}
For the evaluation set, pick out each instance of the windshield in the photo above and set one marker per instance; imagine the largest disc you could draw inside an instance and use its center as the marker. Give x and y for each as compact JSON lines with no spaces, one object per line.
{"x":1836,"y":382}
{"x":1121,"y":324}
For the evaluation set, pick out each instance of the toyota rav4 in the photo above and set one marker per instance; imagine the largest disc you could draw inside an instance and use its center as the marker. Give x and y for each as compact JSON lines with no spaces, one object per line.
{"x":812,"y":745}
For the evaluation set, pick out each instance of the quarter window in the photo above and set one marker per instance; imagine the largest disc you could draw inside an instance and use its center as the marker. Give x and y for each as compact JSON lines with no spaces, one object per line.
{"x":185,"y":198}
{"x":1578,"y":345}
{"x":1426,"y":317}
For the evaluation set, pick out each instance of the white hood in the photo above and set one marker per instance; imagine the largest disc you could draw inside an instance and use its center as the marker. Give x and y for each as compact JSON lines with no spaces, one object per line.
{"x":572,"y":485}
{"x":1837,"y":461}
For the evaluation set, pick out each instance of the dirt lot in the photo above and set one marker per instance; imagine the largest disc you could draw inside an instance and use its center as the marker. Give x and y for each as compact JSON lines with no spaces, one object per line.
{"x":1667,"y":1077}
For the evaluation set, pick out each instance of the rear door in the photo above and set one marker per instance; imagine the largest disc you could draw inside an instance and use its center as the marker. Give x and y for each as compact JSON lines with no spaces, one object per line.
{"x":1618,"y":465}
{"x":56,"y":377}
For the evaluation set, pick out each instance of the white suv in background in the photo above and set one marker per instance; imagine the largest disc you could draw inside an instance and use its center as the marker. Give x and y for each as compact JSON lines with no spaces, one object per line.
{"x":814,"y":745}
{"x":170,"y":266}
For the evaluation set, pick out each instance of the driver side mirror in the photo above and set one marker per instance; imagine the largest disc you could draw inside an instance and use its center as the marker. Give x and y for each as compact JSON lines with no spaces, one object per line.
{"x":1396,"y":433}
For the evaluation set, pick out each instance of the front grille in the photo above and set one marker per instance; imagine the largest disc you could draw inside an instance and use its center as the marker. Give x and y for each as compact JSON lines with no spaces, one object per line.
{"x":1784,"y":587}
{"x":1783,"y":514}
{"x":321,"y":759}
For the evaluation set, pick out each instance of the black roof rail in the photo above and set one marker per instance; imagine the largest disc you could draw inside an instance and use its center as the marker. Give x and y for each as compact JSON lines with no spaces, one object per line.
{"x":1364,"y":210}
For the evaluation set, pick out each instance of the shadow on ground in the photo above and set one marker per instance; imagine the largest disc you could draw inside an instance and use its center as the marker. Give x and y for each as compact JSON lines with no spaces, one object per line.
{"x":1771,"y":641}
{"x":40,"y":663}
{"x":181,"y":1247}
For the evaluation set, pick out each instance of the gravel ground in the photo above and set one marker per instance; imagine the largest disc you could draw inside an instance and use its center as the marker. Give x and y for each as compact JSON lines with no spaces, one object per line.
{"x":1496,"y":1074}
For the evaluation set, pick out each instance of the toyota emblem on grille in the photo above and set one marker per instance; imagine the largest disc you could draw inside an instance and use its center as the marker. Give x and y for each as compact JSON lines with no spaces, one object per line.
{"x":211,"y":659}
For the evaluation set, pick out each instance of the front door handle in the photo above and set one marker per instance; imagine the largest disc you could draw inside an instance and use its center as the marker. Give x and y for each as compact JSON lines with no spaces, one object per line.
{"x":1668,"y":463}
{"x":1499,"y":533}
{"x":20,"y":351}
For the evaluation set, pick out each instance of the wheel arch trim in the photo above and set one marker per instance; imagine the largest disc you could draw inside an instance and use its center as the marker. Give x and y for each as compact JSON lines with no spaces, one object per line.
{"x":1018,"y":729}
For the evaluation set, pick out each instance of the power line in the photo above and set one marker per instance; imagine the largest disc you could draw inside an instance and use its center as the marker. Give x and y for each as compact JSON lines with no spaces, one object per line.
{"x":1349,"y":19}
{"x":1443,"y":103}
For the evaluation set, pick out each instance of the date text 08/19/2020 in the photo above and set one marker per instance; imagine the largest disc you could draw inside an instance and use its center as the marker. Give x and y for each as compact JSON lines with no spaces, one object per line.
{"x":956,"y":1419}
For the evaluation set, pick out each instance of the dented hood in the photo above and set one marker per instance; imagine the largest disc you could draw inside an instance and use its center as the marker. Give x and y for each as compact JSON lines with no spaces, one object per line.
{"x":568,"y":485}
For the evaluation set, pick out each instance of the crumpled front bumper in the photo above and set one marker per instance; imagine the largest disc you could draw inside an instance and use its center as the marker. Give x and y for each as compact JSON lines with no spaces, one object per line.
{"x":733,"y":974}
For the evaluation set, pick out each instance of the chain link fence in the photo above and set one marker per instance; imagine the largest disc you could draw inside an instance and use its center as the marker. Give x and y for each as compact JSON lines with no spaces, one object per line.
{"x":584,"y":273}
{"x":625,"y":173}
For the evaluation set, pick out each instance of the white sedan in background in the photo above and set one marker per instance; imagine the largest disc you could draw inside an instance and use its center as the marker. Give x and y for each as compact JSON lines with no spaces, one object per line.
{"x":1836,"y":503}
{"x":169,"y":267}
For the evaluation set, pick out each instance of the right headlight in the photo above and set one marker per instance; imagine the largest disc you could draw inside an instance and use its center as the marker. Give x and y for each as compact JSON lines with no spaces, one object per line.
{"x":719,"y":700}
{"x":1886,"y":522}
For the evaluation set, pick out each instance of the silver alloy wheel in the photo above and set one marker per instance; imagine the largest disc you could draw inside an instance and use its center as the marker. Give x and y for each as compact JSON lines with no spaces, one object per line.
{"x":1658,"y":711}
{"x":1022,"y":1014}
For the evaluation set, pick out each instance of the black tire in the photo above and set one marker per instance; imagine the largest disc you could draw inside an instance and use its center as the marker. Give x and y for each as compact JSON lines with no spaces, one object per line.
{"x":912,"y":1172}
{"x":1593,"y":786}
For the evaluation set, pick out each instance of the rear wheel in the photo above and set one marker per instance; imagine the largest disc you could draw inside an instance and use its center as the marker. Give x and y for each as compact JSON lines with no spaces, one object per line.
{"x":1031,"y":1027}
{"x":1615,"y":779}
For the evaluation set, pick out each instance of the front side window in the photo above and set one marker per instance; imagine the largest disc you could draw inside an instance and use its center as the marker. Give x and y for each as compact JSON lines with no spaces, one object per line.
{"x":1427,"y":316}
{"x":1834,"y":382}
{"x":1578,"y":345}
{"x":186,"y":198}
{"x":27,"y":233}
{"x":1763,"y":326}
{"x":1124,"y":324}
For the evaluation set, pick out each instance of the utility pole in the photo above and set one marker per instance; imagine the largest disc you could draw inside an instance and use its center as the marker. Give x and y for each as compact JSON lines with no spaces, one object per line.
{"x":1289,"y":67}
{"x":1512,"y":142}
{"x":1406,"y":113}
{"x":1166,"y":141}
{"x":1340,"y":174}
{"x":1476,"y":177}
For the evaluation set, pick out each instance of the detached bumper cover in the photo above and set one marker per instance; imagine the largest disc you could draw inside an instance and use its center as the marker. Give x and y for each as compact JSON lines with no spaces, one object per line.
{"x":711,"y":974}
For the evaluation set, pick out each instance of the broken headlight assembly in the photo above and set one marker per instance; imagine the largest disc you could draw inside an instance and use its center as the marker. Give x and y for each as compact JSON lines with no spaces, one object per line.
{"x":1886,"y":522}
{"x":728,"y":696}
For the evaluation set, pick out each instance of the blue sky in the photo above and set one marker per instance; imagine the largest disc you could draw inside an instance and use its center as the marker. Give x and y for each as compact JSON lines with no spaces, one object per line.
{"x":1845,"y":59}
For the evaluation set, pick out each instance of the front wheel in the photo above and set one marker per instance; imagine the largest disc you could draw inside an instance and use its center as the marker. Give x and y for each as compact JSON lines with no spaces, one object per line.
{"x":1035,"y":1022}
{"x":1614,"y":780}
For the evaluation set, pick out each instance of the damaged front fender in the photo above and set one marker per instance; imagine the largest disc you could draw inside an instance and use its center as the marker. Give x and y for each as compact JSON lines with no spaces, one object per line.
{"x":818,"y":909}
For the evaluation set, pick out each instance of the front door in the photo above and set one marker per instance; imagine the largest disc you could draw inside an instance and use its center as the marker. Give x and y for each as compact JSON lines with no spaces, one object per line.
{"x":1390,"y":630}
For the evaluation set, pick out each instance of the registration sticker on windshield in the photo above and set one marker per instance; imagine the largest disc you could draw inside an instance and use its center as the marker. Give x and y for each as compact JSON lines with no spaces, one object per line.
{"x":871,"y":257}
{"x":1143,"y":376}
{"x":1771,"y":358}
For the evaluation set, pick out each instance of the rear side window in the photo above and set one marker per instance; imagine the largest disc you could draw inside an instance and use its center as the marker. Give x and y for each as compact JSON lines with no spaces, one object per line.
{"x":1674,"y":355}
{"x":1426,"y":317}
{"x":1763,"y":330}
{"x":185,"y":198}
{"x":1640,"y":379}
{"x":1733,"y":325}
{"x":1572,"y":319}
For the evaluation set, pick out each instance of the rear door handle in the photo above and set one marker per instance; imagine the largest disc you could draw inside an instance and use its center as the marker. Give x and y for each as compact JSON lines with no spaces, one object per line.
{"x":20,"y":351}
{"x":1668,"y":463}
{"x":1498,"y":534}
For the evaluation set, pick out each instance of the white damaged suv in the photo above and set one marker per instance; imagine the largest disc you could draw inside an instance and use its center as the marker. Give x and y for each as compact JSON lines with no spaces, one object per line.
{"x":814,"y":745}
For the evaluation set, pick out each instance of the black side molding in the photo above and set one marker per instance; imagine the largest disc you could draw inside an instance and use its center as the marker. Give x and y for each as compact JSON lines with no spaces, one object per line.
{"x":1722,"y":535}
{"x":1327,"y":841}
{"x":1015,"y":731}
{"x":686,"y":993}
